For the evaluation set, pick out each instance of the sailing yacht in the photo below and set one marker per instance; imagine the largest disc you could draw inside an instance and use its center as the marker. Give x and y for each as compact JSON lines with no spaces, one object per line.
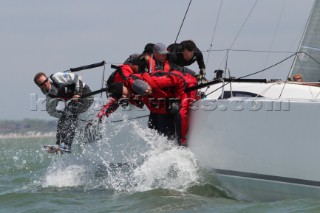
{"x":261,"y":138}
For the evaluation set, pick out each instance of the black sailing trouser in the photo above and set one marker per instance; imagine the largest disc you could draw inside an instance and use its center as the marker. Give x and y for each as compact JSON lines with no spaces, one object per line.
{"x":67,"y":123}
{"x":163,"y":123}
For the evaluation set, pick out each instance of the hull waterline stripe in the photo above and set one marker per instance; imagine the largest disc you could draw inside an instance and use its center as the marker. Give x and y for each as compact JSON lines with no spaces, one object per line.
{"x":268,"y":177}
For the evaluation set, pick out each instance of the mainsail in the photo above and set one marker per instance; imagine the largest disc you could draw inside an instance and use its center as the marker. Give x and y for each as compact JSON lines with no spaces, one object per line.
{"x":308,"y":62}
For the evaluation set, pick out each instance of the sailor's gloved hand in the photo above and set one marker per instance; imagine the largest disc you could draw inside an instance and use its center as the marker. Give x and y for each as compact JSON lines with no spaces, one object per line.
{"x":202,"y":72}
{"x":201,"y":79}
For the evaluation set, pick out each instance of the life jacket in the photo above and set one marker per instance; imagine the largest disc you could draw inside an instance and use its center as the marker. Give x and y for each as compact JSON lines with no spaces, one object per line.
{"x":164,"y":66}
{"x":152,"y":65}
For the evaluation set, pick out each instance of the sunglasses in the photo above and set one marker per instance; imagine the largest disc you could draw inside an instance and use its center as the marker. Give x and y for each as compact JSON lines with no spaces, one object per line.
{"x":43,"y":83}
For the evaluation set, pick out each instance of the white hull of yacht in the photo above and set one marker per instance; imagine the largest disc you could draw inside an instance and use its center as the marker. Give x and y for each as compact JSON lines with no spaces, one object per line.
{"x":265,"y":148}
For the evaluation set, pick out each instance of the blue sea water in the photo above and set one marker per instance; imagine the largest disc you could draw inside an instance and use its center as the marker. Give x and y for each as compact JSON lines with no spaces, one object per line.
{"x":158,"y":177}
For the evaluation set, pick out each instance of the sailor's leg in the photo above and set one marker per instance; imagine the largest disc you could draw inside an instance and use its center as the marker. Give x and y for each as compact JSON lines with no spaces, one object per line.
{"x":181,"y":122}
{"x":70,"y":130}
{"x":60,"y":127}
{"x":68,"y":124}
{"x":166,"y":125}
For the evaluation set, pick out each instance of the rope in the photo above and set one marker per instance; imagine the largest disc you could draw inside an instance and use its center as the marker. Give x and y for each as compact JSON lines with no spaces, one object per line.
{"x":183,"y":21}
{"x":214,"y":32}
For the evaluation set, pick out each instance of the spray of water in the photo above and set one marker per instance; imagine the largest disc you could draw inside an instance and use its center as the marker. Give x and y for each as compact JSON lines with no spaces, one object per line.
{"x":69,"y":176}
{"x":129,"y":157}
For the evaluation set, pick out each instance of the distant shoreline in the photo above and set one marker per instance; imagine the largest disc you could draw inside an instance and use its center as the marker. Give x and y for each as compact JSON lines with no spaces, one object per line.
{"x":38,"y":135}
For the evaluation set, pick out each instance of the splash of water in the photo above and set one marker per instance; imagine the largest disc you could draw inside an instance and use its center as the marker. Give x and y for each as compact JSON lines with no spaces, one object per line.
{"x":165,"y":165}
{"x":154,"y":162}
{"x":69,"y":176}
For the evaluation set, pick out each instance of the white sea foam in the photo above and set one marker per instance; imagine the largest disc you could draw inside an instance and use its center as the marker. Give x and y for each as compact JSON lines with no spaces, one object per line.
{"x":64,"y":177}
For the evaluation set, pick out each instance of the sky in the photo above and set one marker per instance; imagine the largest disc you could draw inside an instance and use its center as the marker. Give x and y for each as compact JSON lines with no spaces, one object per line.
{"x":53,"y":36}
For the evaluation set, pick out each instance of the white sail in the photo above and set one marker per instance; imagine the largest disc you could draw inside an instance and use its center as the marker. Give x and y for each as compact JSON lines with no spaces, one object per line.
{"x":309,"y":64}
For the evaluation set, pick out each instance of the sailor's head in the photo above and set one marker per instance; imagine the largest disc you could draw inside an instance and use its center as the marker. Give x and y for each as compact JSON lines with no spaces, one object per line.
{"x":119,"y":90}
{"x":42,"y":81}
{"x":297,"y":77}
{"x":148,"y":49}
{"x":188,"y":47}
{"x":160,"y":52}
{"x":134,"y":61}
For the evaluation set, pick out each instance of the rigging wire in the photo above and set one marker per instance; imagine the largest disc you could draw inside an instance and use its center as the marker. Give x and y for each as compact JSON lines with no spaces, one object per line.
{"x":225,"y":84}
{"x":244,"y":23}
{"x":254,"y":51}
{"x":242,"y":26}
{"x":315,"y":60}
{"x":183,"y":21}
{"x":274,"y":35}
{"x":260,"y":71}
{"x":214,"y":32}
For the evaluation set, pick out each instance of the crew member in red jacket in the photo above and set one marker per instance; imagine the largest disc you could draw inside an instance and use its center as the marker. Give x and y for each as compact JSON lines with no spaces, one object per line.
{"x":167,"y":88}
{"x":121,"y":74}
{"x":159,"y":119}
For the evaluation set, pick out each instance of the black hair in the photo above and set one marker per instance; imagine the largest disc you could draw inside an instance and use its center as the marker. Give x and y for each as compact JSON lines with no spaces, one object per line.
{"x":115,"y":89}
{"x":148,"y":48}
{"x":188,"y":45}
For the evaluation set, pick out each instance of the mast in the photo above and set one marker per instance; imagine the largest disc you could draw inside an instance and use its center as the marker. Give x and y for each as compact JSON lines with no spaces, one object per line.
{"x":307,"y":63}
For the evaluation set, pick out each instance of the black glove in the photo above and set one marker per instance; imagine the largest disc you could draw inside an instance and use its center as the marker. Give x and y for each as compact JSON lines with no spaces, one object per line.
{"x":202,"y":72}
{"x":201,"y":79}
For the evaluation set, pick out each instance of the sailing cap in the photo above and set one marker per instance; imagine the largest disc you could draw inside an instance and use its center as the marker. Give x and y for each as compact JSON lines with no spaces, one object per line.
{"x":133,"y":59}
{"x":115,"y":89}
{"x":160,"y":48}
{"x":140,"y":87}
